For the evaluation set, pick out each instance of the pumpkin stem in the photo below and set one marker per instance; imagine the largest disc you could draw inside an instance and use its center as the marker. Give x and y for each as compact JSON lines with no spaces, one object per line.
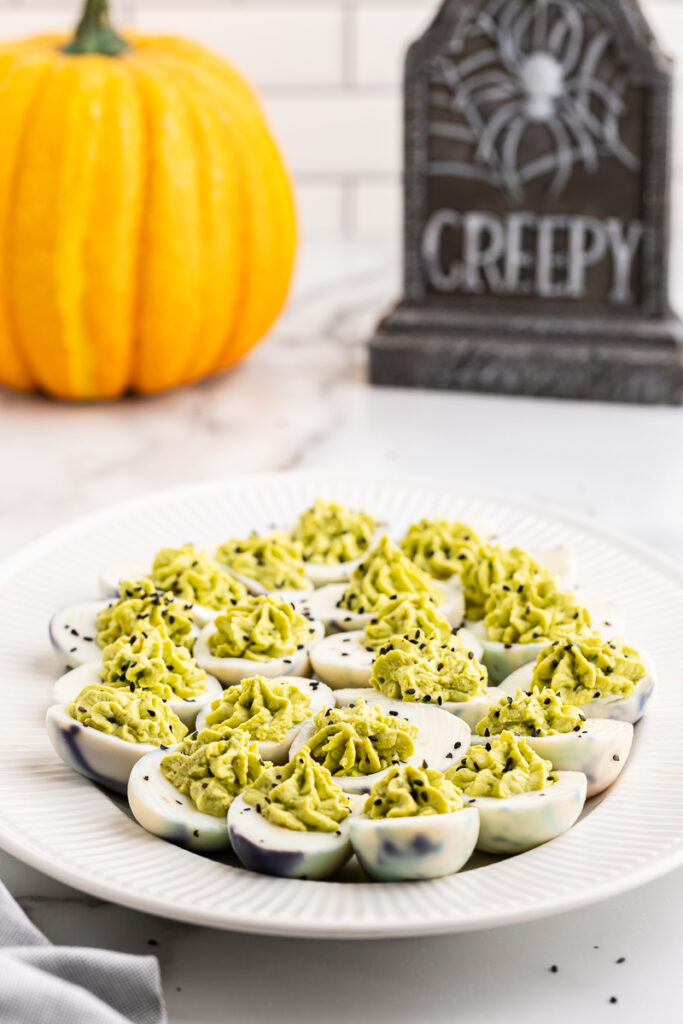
{"x":94,"y":33}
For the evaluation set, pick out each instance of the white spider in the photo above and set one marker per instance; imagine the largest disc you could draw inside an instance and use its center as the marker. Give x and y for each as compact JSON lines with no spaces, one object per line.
{"x":529,"y":63}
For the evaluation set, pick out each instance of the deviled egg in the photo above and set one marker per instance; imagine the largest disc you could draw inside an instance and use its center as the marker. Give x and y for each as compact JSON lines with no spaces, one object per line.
{"x":270,"y":711}
{"x":184,"y":796}
{"x":188,"y":573}
{"x":293,"y":821}
{"x":359,"y":743}
{"x":604,"y":678}
{"x":414,"y":825}
{"x":80,"y":631}
{"x":384,"y":575}
{"x":334,"y":539}
{"x":147,"y":661}
{"x":562,"y":735}
{"x":263,"y":632}
{"x":521,"y":617}
{"x":266,"y":564}
{"x":106,"y":729}
{"x":346,"y":659}
{"x":521,"y":799}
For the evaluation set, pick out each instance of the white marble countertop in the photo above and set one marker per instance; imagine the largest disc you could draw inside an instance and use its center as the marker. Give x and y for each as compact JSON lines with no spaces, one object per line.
{"x":302,"y":401}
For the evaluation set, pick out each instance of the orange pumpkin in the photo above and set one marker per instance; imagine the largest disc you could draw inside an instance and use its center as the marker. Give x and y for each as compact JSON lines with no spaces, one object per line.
{"x":148,"y":223}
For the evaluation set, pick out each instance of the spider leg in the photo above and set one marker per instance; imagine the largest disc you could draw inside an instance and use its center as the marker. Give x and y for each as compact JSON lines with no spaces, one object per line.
{"x":510,"y":53}
{"x":447,"y":130}
{"x":477,"y":61}
{"x":608,"y":134}
{"x":609,"y":97}
{"x":569,"y":28}
{"x":493,"y":129}
{"x":587,"y":148}
{"x":495,"y":93}
{"x":520,"y":28}
{"x":564,"y":157}
{"x":510,"y":152}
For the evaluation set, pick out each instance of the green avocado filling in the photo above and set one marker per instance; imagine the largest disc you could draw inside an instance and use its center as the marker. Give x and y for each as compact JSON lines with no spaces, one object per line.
{"x":491,"y":565}
{"x":212,"y":768}
{"x":300,"y":795}
{"x":360,"y":739}
{"x":441,"y":546}
{"x":267,"y":709}
{"x":413,"y":669}
{"x":138,"y":717}
{"x":502,"y":767}
{"x":407,"y":615}
{"x":149,"y":660}
{"x":584,"y":668}
{"x":532,"y":611}
{"x":408,"y":792}
{"x":260,"y":629}
{"x":531,"y":714}
{"x":330,"y":534}
{"x":274,"y":561}
{"x":141,"y":606}
{"x":194,"y":576}
{"x":382,"y":576}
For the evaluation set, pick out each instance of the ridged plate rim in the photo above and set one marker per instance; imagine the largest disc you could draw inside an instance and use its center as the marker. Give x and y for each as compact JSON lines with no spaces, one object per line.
{"x":579,"y":868}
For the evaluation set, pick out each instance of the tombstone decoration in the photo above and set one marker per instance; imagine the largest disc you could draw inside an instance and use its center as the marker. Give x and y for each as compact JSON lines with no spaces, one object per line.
{"x":537,"y":143}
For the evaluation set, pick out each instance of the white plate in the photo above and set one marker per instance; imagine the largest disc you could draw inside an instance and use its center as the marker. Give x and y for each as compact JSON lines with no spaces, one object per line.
{"x":64,"y":825}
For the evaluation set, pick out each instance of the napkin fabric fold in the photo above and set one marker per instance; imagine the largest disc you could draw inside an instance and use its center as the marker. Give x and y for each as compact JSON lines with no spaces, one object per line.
{"x":45,"y":984}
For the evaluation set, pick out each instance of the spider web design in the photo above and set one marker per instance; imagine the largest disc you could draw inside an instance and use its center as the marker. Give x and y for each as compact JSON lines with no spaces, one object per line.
{"x":515,"y":65}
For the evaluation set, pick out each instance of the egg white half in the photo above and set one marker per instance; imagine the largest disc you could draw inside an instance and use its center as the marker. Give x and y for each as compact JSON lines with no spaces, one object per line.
{"x":277,"y":751}
{"x":73,"y":630}
{"x":516,"y":823}
{"x":233,"y":670}
{"x":275,"y":850}
{"x":440,"y":739}
{"x":98,"y":755}
{"x":70,"y":685}
{"x":424,"y":846}
{"x":600,"y":750}
{"x":162,"y":810}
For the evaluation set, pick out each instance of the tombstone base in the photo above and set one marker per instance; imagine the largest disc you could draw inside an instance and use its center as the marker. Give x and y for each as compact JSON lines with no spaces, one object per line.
{"x":629,"y":360}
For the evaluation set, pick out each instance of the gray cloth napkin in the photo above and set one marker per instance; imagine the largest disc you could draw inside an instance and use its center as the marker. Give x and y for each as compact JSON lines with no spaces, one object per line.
{"x":45,"y":984}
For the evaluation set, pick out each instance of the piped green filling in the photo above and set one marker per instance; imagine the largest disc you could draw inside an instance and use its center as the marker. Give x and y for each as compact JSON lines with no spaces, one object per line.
{"x":301,"y":796}
{"x":532,"y":611}
{"x":531,"y":714}
{"x":195,"y":577}
{"x":412,"y":669}
{"x":213,"y":768}
{"x":585,"y":668}
{"x":149,"y":660}
{"x":383,"y":575}
{"x":360,"y":739}
{"x":260,"y":629}
{"x":138,"y":717}
{"x":266,"y":709}
{"x":274,"y":561}
{"x":141,"y":605}
{"x":407,"y":791}
{"x":441,"y":546}
{"x":405,"y":615}
{"x":493,"y":564}
{"x":503,"y":766}
{"x":330,"y":534}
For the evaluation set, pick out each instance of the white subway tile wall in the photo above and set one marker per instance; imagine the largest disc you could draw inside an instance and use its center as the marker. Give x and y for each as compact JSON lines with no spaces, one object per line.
{"x":329,"y":72}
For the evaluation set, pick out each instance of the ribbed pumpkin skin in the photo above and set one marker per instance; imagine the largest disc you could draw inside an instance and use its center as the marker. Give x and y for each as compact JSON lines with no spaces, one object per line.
{"x":147,"y":229}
